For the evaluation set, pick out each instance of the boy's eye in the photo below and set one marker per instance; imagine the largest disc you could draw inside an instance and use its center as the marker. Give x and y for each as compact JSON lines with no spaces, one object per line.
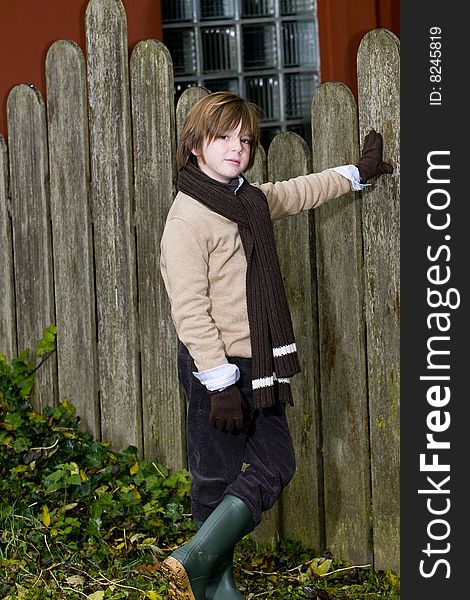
{"x":243,"y":140}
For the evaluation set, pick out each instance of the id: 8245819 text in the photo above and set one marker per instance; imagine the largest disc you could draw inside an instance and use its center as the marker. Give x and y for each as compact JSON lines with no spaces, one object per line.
{"x":435,"y":66}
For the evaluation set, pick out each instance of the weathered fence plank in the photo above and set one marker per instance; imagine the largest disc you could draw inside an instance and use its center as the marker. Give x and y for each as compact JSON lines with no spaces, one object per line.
{"x":32,"y":247}
{"x":7,"y":294}
{"x":153,"y":114}
{"x":289,"y":156}
{"x":186,"y":101}
{"x":114,"y":233}
{"x":258,"y":172}
{"x":72,"y":231}
{"x":344,"y":412}
{"x":379,"y":107}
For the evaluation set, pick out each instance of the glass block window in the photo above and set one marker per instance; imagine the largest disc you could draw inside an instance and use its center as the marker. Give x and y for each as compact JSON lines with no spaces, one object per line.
{"x":181,"y":44}
{"x":217,"y":9}
{"x":264,"y":50}
{"x":298,"y":90}
{"x":174,"y":12}
{"x":219,"y":49}
{"x":225,"y":85}
{"x":298,"y":44}
{"x":257,"y":8}
{"x":296,"y":7}
{"x":259,"y":46}
{"x":264,"y":91}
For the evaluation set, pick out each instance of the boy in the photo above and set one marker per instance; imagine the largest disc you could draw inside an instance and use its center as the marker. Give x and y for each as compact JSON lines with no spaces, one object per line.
{"x":237,"y":349}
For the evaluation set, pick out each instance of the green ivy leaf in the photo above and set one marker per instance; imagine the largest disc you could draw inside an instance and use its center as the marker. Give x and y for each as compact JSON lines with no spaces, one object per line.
{"x":21,"y":444}
{"x":13,"y":421}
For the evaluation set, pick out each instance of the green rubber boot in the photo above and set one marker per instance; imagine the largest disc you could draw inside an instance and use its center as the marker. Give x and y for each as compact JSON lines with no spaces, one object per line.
{"x":221,"y":585}
{"x":189,"y":568}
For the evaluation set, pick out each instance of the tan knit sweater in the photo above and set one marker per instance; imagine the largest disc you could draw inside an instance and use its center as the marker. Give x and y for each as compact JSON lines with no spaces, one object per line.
{"x":204,"y":267}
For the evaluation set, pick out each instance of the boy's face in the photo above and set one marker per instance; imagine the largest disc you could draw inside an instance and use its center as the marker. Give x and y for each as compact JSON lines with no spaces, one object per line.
{"x":224,"y":157}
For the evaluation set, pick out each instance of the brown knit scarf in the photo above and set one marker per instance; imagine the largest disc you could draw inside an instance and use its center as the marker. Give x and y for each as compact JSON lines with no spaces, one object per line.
{"x":274,"y":355}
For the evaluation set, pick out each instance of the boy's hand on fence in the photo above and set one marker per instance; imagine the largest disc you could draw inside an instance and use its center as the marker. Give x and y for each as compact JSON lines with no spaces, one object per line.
{"x":227,"y":409}
{"x":371,"y":164}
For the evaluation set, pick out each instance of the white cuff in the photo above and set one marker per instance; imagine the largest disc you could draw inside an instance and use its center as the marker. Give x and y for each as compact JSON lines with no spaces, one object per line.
{"x":218,"y":378}
{"x":351,"y":172}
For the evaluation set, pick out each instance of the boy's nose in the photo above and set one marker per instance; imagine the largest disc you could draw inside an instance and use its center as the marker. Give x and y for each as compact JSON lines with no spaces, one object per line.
{"x":237,"y":145}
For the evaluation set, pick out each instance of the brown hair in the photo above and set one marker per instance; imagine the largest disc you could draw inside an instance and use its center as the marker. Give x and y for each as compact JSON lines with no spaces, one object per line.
{"x":214,"y":115}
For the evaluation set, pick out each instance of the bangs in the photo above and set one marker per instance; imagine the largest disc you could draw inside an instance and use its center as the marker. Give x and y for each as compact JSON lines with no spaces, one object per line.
{"x":228,"y":118}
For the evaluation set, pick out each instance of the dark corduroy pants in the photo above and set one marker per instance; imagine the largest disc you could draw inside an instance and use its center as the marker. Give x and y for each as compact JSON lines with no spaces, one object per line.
{"x":254,"y":464}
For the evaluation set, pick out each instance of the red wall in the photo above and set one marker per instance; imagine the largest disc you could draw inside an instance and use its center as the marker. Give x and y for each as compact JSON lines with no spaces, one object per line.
{"x":29,"y":27}
{"x":341,"y":26}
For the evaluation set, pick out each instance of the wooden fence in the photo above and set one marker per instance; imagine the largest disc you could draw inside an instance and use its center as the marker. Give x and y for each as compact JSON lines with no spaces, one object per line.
{"x":86,"y":180}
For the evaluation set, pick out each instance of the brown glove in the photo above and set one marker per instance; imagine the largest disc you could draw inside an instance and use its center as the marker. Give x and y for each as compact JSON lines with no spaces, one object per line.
{"x":371,"y":164}
{"x":227,"y":409}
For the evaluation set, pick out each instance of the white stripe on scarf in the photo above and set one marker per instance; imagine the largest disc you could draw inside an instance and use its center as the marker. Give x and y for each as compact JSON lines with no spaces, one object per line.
{"x":283,"y":350}
{"x":268,"y":381}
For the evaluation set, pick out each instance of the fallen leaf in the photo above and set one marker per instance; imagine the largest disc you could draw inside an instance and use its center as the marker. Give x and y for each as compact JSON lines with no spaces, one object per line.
{"x":319,"y":567}
{"x":46,"y":517}
{"x":99,"y":595}
{"x":74,"y":580}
